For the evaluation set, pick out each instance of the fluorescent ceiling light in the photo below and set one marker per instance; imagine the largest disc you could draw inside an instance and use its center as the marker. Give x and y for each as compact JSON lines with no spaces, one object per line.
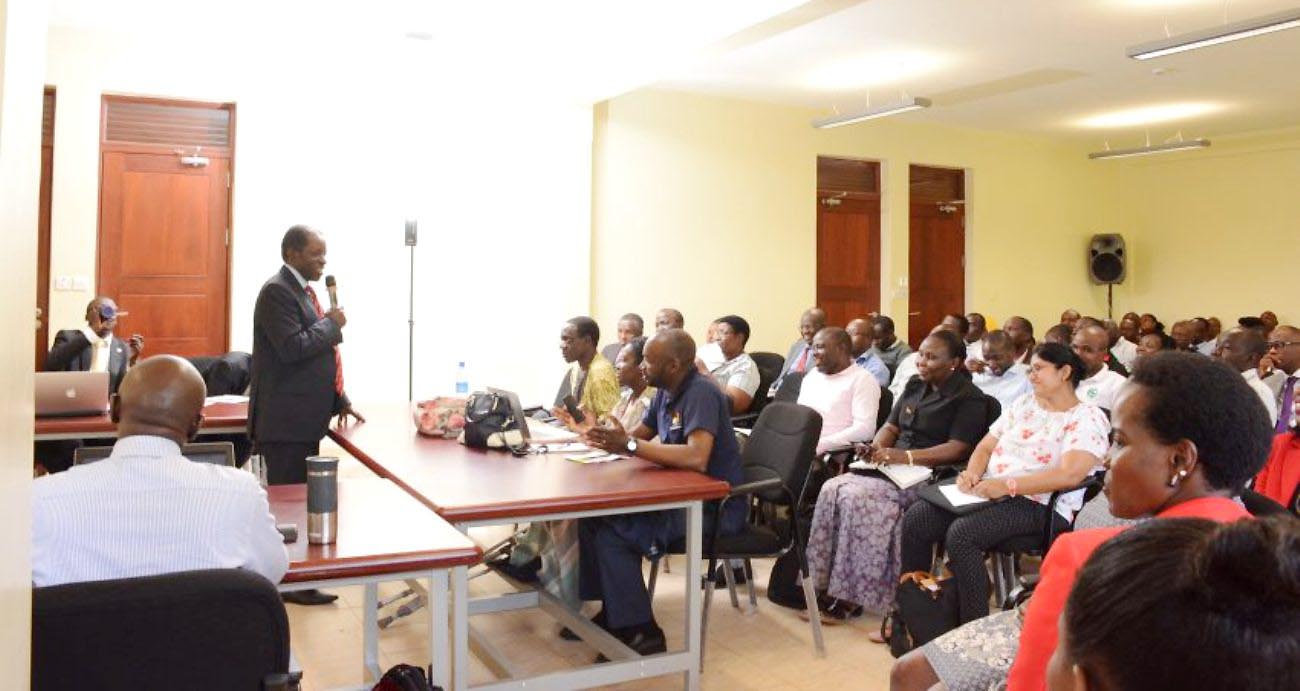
{"x":1248,"y":28}
{"x":1149,"y":115}
{"x":1151,"y":149}
{"x":871,"y":113}
{"x":877,"y":69}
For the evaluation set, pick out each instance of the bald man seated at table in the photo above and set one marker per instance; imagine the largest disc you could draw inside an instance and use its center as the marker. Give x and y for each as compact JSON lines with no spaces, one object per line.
{"x":147,"y":510}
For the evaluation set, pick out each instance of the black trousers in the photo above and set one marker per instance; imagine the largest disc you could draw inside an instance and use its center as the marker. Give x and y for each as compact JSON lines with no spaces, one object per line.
{"x":286,"y":461}
{"x":966,"y":540}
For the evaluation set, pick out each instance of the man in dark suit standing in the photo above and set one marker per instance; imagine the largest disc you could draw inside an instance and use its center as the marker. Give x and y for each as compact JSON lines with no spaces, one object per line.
{"x":297,"y":371}
{"x":94,"y":347}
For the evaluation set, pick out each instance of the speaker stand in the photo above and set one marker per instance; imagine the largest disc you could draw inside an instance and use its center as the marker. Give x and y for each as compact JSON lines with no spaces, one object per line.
{"x":1110,"y":301}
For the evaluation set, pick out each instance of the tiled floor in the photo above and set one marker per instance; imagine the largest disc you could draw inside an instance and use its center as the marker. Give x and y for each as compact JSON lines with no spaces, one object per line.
{"x":768,"y":649}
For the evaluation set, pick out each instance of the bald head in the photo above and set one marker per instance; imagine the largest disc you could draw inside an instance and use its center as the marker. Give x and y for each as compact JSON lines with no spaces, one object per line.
{"x":1241,"y":348}
{"x":161,"y":396}
{"x":668,"y":358}
{"x":1092,"y":345}
{"x":669,"y":318}
{"x":859,"y":332}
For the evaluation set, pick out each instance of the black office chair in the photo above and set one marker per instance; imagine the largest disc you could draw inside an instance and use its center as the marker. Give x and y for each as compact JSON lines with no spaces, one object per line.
{"x":886,"y":406}
{"x":769,"y":368}
{"x":212,"y":629}
{"x":992,"y":411}
{"x":776,"y":465}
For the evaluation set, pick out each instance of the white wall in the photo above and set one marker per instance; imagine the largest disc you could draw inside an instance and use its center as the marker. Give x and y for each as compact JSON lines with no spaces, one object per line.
{"x":22,"y":58}
{"x":354,"y":137}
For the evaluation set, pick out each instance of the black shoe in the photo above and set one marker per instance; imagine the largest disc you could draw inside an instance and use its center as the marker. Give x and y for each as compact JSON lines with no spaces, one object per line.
{"x":308,"y":597}
{"x":720,"y":576}
{"x":599,"y":620}
{"x":524,"y":574}
{"x":647,"y":639}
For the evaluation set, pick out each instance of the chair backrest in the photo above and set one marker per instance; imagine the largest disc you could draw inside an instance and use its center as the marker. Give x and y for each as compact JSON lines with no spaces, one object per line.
{"x":886,"y":406}
{"x":769,"y":368}
{"x":209,"y":629}
{"x":214,"y":452}
{"x":783,"y":444}
{"x":791,"y":384}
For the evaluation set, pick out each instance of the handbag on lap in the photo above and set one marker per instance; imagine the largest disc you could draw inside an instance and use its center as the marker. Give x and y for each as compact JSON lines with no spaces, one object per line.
{"x":925,"y":608}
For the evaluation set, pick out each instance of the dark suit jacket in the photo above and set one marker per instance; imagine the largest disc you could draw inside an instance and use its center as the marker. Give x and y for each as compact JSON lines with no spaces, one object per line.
{"x":71,"y":352}
{"x":292,"y":395}
{"x":224,"y":374}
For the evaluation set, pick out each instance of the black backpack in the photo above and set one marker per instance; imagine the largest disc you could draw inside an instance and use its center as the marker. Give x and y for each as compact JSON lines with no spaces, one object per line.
{"x":405,"y":678}
{"x":924,"y":609}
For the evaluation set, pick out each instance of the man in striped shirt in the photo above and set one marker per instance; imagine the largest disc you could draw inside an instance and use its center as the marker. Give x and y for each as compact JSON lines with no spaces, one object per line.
{"x":146,"y":510}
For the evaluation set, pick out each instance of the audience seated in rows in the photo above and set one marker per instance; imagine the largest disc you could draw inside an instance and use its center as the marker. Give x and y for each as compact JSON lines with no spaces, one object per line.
{"x":1187,"y":438}
{"x":630,"y":326}
{"x":977,"y":327}
{"x":1046,"y":441}
{"x":861,"y":335}
{"x":1153,"y":343}
{"x":997,"y":374}
{"x":1124,"y":348}
{"x":1021,"y":331}
{"x":1100,"y":384}
{"x":146,"y":510}
{"x":853,"y":543}
{"x":1281,"y":370}
{"x":669,"y":318}
{"x":845,"y":395}
{"x":956,"y":323}
{"x":1185,"y":604}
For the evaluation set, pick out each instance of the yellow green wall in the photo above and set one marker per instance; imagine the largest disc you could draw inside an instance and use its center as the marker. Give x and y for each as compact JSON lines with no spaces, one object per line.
{"x":1215,"y":231}
{"x":707,"y":204}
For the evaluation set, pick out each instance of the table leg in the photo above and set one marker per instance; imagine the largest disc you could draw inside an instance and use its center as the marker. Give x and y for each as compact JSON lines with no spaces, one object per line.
{"x":694,"y":641}
{"x":460,"y":628}
{"x":438,"y":629}
{"x":370,"y":634}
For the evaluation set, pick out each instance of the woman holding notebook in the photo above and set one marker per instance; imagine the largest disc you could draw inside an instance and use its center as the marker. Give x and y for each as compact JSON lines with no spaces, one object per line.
{"x":1046,"y":441}
{"x":853,"y":542}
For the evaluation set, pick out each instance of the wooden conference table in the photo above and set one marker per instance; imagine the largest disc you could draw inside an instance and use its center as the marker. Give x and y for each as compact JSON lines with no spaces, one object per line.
{"x":218,"y":418}
{"x":471,"y":487}
{"x":384,"y":534}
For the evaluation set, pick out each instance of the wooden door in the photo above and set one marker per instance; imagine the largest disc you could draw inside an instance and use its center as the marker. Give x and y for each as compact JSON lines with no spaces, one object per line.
{"x":164,"y":222}
{"x":936,"y":266}
{"x":43,"y":228}
{"x":848,"y":238}
{"x":848,"y":258}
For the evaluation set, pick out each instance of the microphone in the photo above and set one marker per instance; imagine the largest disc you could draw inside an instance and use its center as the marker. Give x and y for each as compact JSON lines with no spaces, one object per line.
{"x":333,"y":287}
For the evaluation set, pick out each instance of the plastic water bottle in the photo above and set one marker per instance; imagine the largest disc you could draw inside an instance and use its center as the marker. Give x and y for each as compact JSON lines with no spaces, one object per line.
{"x":462,"y":379}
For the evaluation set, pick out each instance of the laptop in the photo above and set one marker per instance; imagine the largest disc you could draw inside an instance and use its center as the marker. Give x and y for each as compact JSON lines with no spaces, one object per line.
{"x":215,"y":453}
{"x":534,"y":431}
{"x":71,"y":393}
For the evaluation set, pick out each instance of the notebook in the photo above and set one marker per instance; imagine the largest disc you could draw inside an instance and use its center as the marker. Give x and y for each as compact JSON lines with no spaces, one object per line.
{"x":902,"y":475}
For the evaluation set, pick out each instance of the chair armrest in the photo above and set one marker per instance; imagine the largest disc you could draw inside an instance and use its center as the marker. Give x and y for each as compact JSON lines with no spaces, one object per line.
{"x":1049,"y":534}
{"x":746,"y":420}
{"x":755,"y":486}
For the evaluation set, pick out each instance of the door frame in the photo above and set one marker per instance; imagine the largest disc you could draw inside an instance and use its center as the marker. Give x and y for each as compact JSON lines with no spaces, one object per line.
{"x":882,"y":225}
{"x":968,"y":229}
{"x":126,"y":147}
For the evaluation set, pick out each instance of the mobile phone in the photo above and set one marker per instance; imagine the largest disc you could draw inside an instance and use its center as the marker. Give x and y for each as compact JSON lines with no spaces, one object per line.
{"x":571,"y":405}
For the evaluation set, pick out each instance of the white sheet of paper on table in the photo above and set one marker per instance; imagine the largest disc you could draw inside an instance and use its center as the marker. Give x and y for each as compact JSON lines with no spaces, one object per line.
{"x":957,"y":497}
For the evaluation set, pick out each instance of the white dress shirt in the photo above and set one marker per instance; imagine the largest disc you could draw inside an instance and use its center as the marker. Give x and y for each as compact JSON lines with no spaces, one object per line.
{"x":1265,"y":394}
{"x":1205,"y":348}
{"x":847,"y":401}
{"x":100,"y":350}
{"x":1101,"y":388}
{"x":906,"y":370}
{"x":1126,"y":352}
{"x":740,"y":371}
{"x":1006,"y":388}
{"x":975,"y":351}
{"x":146,"y":510}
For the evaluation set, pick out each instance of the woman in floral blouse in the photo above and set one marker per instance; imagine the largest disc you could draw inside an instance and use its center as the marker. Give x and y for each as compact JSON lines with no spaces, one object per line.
{"x":1046,"y":441}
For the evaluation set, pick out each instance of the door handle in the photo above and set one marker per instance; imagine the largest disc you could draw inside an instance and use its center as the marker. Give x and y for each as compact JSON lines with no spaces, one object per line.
{"x":913,"y":314}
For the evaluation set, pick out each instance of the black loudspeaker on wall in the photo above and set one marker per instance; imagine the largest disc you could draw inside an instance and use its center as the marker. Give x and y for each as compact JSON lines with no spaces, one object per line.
{"x":1107,"y":259}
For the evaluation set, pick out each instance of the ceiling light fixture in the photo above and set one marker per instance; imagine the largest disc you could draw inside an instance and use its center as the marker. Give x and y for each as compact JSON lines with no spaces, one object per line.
{"x":871,"y":113}
{"x":1151,"y":149}
{"x":1226,"y":33}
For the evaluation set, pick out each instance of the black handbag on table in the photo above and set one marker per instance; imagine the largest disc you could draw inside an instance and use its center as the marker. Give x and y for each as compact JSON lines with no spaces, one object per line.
{"x":925,"y":608}
{"x":490,"y":422}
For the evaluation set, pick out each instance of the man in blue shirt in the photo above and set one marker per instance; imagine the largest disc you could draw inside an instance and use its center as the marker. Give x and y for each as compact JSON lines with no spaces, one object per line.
{"x":861,"y":335}
{"x":687,"y":426}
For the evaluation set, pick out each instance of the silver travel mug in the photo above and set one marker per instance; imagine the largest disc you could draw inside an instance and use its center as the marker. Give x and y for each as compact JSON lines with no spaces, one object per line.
{"x":322,"y":499}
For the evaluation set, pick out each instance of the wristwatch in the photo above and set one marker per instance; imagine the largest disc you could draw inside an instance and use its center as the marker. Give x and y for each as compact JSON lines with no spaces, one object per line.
{"x":631,"y":445}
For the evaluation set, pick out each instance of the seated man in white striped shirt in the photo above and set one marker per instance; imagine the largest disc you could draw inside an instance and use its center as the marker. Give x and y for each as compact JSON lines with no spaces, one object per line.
{"x":846,"y":396}
{"x":146,"y":510}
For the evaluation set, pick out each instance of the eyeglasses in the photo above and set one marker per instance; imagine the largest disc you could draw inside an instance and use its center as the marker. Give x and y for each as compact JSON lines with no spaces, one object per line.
{"x":1278,"y":345}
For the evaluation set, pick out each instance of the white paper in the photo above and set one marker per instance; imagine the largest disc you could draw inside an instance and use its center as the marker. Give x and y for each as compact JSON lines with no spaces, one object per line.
{"x":957,"y":497}
{"x":228,"y":398}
